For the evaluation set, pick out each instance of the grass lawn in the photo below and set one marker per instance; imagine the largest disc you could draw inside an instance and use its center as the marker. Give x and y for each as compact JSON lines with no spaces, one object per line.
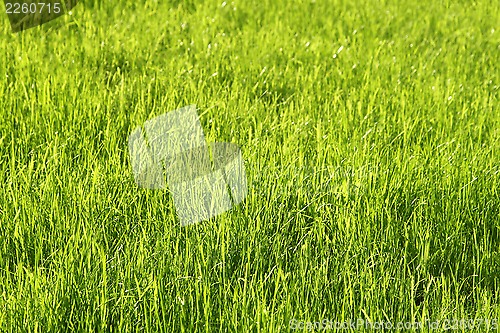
{"x":370,"y":132}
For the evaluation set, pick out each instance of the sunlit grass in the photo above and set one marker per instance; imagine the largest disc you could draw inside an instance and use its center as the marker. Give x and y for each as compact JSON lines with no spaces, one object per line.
{"x":371,"y":136}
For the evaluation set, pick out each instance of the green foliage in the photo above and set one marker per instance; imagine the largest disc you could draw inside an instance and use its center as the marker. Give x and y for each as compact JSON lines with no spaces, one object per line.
{"x":371,"y":135}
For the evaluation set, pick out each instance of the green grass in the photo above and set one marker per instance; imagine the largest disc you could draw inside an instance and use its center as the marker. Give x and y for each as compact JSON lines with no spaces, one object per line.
{"x":371,"y":136}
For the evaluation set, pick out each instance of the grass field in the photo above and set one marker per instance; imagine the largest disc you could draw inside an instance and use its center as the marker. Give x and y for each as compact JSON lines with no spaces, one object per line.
{"x":371,"y":138}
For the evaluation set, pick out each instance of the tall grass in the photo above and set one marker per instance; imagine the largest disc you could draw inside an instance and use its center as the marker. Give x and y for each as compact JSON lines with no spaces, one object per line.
{"x":371,"y":136}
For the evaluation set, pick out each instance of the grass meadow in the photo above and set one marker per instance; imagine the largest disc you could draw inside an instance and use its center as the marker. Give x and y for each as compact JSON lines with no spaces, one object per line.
{"x":371,"y":138}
